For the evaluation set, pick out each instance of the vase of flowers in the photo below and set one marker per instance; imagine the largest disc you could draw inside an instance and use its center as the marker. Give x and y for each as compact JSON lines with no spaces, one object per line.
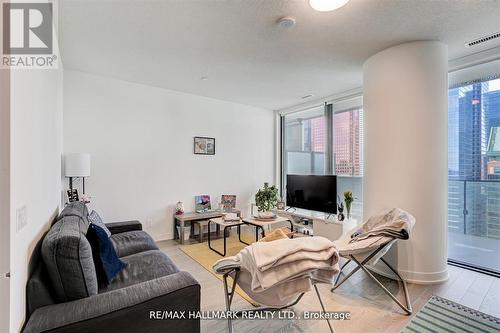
{"x":348,"y":199}
{"x":266,"y":198}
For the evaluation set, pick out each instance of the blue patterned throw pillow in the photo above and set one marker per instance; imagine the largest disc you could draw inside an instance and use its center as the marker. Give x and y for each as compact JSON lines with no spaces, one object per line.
{"x":96,"y":219}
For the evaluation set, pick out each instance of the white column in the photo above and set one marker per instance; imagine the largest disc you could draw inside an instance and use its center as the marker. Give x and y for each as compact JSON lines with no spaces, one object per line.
{"x":405,"y":103}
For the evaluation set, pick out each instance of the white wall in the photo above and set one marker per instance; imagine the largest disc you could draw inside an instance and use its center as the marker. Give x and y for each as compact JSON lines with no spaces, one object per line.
{"x":141,"y":143}
{"x":36,"y":147}
{"x":4,"y":196}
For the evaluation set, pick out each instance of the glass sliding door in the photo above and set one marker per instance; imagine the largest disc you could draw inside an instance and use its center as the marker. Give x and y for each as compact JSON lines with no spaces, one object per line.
{"x":474,"y":174}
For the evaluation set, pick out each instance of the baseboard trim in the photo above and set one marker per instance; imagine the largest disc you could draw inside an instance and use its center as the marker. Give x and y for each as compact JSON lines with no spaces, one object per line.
{"x":413,"y":277}
{"x":163,"y":237}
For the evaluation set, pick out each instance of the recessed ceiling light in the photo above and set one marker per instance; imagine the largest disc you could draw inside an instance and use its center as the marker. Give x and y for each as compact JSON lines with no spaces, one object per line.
{"x":204,"y":78}
{"x":327,"y":5}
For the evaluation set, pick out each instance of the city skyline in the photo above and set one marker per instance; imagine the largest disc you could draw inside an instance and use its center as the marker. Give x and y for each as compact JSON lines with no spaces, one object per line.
{"x":308,"y":136}
{"x":473,"y":188}
{"x":473,"y":110}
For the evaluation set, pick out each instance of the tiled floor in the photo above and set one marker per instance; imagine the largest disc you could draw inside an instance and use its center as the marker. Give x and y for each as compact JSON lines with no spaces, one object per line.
{"x":371,"y":310}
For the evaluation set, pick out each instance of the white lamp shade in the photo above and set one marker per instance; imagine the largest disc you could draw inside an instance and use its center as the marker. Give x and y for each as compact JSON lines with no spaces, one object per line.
{"x":77,"y":165}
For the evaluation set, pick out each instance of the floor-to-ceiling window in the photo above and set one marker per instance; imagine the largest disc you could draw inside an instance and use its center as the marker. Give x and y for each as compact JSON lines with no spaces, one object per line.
{"x":474,"y":173}
{"x":348,"y":155}
{"x":305,"y":146}
{"x":304,"y":142}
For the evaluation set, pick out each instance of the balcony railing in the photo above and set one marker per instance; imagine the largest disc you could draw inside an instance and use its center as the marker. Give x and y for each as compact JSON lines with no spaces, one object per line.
{"x":474,"y":207}
{"x":474,"y":224}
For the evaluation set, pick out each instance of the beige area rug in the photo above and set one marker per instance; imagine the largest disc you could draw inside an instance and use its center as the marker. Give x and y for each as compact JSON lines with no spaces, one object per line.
{"x":207,"y":258}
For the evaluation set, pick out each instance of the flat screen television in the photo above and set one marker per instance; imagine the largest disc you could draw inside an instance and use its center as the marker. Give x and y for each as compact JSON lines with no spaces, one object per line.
{"x":318,"y":193}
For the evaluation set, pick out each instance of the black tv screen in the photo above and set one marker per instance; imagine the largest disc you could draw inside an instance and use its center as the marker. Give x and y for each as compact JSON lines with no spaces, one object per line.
{"x":318,"y":193}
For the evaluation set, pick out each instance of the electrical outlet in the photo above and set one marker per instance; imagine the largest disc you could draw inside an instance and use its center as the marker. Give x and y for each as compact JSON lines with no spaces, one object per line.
{"x":149,"y":223}
{"x":21,"y":217}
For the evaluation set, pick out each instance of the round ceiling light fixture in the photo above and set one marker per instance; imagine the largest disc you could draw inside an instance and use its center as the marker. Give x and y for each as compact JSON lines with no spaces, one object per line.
{"x":327,"y":5}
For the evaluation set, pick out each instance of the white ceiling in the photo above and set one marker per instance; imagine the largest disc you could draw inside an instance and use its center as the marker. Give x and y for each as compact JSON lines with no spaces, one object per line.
{"x":247,"y":57}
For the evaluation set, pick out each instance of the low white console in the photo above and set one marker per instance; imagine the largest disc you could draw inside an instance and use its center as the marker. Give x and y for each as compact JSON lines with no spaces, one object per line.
{"x":329,"y":228}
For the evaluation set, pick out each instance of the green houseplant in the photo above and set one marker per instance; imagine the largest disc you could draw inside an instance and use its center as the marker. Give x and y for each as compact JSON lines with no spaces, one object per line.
{"x":348,"y":199}
{"x":266,"y":198}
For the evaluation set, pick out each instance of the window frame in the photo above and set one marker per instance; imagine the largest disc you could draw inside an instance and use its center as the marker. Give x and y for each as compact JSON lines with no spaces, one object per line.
{"x":329,"y":142}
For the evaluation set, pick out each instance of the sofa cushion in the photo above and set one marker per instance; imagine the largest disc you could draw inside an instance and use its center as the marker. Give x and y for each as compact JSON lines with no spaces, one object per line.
{"x":78,"y":209}
{"x":131,"y":242}
{"x":68,"y":257}
{"x":142,"y":267}
{"x":106,"y":262}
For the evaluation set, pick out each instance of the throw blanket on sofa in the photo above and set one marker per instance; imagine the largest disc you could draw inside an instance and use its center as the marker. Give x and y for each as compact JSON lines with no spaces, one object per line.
{"x":396,"y":223}
{"x":291,"y":263}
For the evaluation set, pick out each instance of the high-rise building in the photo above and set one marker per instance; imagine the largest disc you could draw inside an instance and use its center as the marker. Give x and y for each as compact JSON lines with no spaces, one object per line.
{"x":318,"y":134}
{"x":474,"y":111}
{"x":467,"y":149}
{"x":491,"y":105}
{"x":471,"y":132}
{"x":348,"y":139}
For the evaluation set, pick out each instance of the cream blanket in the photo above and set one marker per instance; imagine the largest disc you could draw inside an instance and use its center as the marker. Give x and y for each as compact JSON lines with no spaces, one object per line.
{"x":292,"y":265}
{"x":396,"y":223}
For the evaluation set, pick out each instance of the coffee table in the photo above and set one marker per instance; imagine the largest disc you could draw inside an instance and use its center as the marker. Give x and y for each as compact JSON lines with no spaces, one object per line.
{"x":224,"y":225}
{"x":181,"y":220}
{"x":261,"y":223}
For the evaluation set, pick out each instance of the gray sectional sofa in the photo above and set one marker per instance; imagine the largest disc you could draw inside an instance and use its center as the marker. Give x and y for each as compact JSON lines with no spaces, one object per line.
{"x":63,"y":294}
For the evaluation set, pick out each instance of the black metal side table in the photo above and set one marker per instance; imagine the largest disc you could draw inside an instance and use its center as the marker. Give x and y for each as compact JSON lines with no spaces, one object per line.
{"x":224,"y":225}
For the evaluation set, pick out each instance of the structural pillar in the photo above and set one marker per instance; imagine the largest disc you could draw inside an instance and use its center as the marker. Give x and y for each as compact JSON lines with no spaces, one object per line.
{"x":406,"y":151}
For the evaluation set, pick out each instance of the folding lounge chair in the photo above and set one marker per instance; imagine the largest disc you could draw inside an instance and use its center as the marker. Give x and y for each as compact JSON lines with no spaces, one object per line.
{"x":367,"y":251}
{"x":229,"y":267}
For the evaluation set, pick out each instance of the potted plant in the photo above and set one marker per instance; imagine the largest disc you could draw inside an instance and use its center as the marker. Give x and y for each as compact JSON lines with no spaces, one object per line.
{"x":266,"y":198}
{"x":348,"y":199}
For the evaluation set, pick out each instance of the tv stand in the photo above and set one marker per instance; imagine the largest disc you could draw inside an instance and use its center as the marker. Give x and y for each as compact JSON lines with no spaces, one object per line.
{"x":323,"y":224}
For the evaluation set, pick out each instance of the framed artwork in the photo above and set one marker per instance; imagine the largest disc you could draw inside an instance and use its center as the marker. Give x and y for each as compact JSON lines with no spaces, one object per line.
{"x":204,"y":145}
{"x":202,"y":203}
{"x":228,"y":201}
{"x":73,"y":195}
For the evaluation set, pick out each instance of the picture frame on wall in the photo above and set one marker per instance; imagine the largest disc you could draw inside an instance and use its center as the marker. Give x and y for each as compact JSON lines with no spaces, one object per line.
{"x":204,"y":145}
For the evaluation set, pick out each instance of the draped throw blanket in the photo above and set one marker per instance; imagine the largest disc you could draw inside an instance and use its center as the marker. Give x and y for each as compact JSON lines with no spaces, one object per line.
{"x":286,"y":267}
{"x":397,"y":223}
